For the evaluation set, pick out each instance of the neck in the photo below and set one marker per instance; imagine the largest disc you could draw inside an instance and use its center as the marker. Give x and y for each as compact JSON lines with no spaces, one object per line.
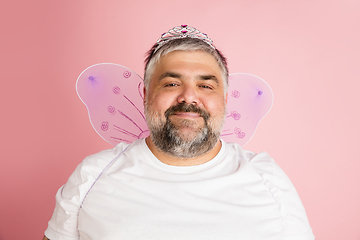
{"x":175,"y":161}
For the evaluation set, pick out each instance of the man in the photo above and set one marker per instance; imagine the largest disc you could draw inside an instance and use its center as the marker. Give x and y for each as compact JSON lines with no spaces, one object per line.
{"x":181,"y":182}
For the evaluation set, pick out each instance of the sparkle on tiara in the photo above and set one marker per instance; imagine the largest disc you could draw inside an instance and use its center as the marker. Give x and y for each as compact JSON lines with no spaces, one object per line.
{"x":182,"y":32}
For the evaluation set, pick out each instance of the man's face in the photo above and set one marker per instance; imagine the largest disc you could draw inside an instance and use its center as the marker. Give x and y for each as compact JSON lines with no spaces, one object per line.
{"x":185,"y":103}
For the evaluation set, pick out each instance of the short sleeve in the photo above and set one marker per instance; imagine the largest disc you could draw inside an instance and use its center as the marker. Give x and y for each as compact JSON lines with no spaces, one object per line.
{"x":294,"y":219}
{"x":69,"y":198}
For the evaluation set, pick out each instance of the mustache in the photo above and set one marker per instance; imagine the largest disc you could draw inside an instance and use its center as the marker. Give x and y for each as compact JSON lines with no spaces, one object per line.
{"x":183,"y":107}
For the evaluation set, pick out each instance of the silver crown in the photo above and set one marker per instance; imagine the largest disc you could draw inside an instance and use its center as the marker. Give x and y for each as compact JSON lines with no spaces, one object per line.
{"x":182,"y":31}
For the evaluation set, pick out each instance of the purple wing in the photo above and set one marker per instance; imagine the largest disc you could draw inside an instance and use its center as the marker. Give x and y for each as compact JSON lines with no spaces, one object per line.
{"x":113,"y":95}
{"x":249,"y":100}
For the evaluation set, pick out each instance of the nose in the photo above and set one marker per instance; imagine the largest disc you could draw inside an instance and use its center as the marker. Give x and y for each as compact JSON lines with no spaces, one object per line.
{"x":188,"y":95}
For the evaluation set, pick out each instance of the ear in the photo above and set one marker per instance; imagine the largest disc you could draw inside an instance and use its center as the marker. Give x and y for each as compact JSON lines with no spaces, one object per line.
{"x":144,"y":91}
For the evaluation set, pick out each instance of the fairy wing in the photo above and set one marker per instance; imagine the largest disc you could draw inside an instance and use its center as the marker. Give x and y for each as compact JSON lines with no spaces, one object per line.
{"x":249,"y":100}
{"x":113,"y":95}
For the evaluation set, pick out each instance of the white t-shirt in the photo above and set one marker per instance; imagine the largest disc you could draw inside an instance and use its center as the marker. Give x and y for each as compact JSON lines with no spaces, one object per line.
{"x":127,"y":193}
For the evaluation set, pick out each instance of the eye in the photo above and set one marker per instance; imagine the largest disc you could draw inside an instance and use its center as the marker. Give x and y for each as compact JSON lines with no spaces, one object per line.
{"x":206,"y":87}
{"x":171,"y":85}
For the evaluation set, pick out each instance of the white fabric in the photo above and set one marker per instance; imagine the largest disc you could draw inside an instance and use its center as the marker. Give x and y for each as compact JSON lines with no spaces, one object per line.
{"x":127,"y":193}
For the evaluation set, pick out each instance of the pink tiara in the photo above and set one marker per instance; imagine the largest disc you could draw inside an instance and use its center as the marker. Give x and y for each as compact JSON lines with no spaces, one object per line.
{"x":182,"y":31}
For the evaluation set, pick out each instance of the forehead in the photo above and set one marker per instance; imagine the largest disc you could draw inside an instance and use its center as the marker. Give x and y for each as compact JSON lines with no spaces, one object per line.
{"x":188,"y":62}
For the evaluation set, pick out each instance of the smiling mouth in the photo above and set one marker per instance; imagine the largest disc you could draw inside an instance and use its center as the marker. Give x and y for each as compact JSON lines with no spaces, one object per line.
{"x":185,"y":111}
{"x":187,"y":114}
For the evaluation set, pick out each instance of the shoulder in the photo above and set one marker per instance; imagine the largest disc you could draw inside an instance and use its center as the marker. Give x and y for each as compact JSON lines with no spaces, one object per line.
{"x":261,"y":163}
{"x":70,"y":196}
{"x":93,"y":165}
{"x":281,"y":189}
{"x":102,"y":158}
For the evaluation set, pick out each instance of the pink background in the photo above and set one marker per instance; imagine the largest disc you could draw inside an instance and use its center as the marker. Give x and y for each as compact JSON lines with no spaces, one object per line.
{"x":308,"y":52}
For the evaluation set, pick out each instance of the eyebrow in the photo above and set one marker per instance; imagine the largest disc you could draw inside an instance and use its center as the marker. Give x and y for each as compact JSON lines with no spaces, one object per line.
{"x":209,"y":77}
{"x":169,"y":74}
{"x":179,"y":76}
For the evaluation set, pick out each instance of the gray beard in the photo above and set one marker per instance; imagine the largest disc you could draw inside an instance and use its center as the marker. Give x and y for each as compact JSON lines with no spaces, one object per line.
{"x":168,"y":138}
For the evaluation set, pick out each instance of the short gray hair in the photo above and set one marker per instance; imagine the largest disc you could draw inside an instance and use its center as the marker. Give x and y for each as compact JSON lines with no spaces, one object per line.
{"x":183,"y":44}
